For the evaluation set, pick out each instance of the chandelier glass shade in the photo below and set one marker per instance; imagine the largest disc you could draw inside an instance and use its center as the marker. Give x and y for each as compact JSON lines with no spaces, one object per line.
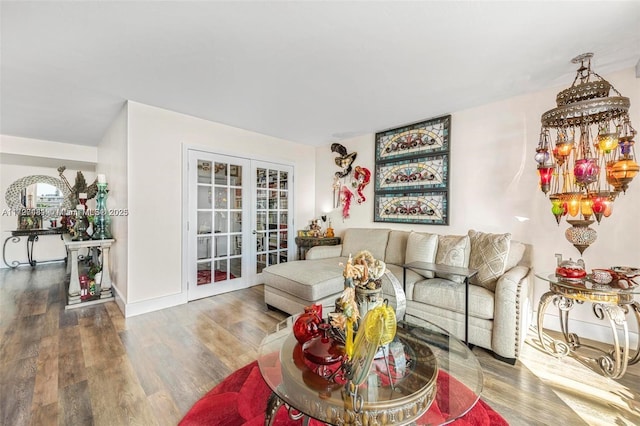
{"x":585,"y":156}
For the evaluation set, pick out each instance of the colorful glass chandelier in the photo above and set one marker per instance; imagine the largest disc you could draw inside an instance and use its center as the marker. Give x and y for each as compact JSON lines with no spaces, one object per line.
{"x":585,"y":155}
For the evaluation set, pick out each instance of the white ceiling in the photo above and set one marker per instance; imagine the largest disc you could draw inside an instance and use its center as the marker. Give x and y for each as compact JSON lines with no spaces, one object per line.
{"x":310,"y":72}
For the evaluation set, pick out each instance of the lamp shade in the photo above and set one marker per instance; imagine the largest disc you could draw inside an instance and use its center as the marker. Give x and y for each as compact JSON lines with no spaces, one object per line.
{"x":545,"y":173}
{"x":586,"y":170}
{"x":607,"y":142}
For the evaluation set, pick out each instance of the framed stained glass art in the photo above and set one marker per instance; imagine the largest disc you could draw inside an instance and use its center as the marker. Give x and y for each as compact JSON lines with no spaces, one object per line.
{"x":413,"y":207}
{"x":418,"y":173}
{"x":426,"y":137}
{"x":412,"y":173}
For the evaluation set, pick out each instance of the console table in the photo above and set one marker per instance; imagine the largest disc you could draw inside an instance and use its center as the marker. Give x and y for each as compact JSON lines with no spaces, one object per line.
{"x":73,"y":268}
{"x":608,"y":302}
{"x":305,"y":243}
{"x":32,"y":237}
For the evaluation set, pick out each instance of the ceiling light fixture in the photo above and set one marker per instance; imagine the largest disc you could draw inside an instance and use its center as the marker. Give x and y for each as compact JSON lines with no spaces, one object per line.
{"x":585,"y":154}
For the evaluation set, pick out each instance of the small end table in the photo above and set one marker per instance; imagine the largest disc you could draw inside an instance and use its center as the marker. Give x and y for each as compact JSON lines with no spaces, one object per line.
{"x":445,"y":269}
{"x":610,"y":303}
{"x":305,"y":243}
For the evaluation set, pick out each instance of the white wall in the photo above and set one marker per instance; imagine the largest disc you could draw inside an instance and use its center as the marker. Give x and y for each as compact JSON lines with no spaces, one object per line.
{"x":493,"y":179}
{"x":112,"y":162}
{"x":156,"y":138}
{"x":20,"y":157}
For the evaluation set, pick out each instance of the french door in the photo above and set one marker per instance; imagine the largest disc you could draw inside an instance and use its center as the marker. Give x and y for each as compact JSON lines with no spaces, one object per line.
{"x":272,"y":222}
{"x":238,"y":221}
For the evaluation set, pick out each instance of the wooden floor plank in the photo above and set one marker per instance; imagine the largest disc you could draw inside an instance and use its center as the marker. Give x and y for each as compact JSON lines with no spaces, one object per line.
{"x":75,"y":405}
{"x":46,"y":381}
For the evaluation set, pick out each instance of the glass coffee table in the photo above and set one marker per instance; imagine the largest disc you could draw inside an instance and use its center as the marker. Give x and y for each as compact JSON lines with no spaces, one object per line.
{"x":423,"y":363}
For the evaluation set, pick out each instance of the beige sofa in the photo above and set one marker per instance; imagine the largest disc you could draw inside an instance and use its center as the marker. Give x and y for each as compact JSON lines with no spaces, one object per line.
{"x":499,"y":295}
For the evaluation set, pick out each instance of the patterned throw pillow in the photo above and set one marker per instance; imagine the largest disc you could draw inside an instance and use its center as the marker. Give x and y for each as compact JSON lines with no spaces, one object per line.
{"x":422,"y":248}
{"x":489,"y":254}
{"x":453,"y":250}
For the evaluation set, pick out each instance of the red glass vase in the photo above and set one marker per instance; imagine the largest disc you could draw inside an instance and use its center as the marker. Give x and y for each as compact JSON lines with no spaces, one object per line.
{"x":323,"y":349}
{"x":306,"y":326}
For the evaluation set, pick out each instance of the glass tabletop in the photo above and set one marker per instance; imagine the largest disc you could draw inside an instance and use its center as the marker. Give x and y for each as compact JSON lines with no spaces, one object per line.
{"x":416,"y":356}
{"x":589,"y":285}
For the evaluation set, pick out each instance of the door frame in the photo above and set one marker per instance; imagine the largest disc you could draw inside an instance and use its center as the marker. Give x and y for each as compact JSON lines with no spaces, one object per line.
{"x":255,"y":278}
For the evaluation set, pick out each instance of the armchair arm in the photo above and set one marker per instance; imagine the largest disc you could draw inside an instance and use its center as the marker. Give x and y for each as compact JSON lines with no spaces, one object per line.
{"x":323,"y":252}
{"x":512,"y":311}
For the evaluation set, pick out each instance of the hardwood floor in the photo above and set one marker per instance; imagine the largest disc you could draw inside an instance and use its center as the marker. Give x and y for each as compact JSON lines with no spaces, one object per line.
{"x":92,"y":366}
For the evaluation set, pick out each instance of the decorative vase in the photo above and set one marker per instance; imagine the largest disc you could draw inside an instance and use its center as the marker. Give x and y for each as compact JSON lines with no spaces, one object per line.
{"x":307,"y":325}
{"x":102,"y":220}
{"x":323,"y":349}
{"x":367,"y":299}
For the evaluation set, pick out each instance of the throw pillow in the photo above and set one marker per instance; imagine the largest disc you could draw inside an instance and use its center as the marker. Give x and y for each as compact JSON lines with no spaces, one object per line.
{"x":453,"y":250}
{"x":422,"y":248}
{"x":397,"y":247}
{"x":489,"y":254}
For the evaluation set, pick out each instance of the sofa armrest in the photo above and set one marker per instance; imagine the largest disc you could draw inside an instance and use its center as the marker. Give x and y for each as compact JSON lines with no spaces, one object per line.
{"x":323,"y":252}
{"x":511,"y":316}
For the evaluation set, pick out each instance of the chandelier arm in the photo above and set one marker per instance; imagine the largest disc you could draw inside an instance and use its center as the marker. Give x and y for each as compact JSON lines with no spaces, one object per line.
{"x":611,"y":85}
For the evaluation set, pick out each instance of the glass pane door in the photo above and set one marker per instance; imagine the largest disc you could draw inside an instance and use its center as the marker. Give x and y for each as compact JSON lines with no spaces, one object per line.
{"x":273,"y":221}
{"x":218,"y":185}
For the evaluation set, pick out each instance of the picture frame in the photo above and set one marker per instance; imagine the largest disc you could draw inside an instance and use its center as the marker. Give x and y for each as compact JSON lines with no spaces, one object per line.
{"x":412,"y":166}
{"x":418,"y":139}
{"x":424,"y":207}
{"x":29,"y":221}
{"x":412,"y":174}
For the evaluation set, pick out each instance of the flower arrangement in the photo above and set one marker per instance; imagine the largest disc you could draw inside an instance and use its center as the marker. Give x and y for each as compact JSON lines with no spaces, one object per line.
{"x":362,"y":272}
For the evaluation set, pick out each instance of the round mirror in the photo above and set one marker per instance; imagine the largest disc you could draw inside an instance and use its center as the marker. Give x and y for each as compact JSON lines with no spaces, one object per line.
{"x":45,"y":195}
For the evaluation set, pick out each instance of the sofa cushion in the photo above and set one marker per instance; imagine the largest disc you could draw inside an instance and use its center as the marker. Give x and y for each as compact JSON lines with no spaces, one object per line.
{"x":489,"y":254}
{"x":422,"y":247}
{"x":396,"y":247}
{"x":449,"y":295}
{"x":307,"y":279}
{"x":453,"y":250}
{"x":358,"y":239}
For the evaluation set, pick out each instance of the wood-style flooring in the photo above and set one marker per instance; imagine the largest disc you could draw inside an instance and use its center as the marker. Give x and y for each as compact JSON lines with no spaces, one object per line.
{"x":92,"y":366}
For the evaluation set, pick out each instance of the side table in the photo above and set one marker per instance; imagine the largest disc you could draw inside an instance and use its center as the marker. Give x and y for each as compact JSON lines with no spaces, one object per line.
{"x":609,"y":303}
{"x":305,"y":243}
{"x":73,"y":268}
{"x":446,"y":269}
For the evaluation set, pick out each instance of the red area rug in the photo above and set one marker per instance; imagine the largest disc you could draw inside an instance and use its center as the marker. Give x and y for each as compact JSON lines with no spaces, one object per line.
{"x":241,"y":399}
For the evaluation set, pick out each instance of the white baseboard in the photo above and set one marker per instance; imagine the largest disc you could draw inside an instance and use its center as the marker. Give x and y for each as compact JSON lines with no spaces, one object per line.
{"x":590,"y":330}
{"x":146,"y":306}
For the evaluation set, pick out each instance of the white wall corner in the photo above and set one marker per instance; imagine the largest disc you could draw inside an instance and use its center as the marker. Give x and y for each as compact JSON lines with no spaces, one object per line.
{"x":638,"y":69}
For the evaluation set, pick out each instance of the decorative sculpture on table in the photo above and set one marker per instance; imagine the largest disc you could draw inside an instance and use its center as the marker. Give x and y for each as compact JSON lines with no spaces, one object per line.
{"x":80,"y":187}
{"x":342,"y":349}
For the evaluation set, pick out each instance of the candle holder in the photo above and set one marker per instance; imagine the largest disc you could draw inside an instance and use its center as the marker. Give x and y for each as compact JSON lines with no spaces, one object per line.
{"x":82,"y":197}
{"x":81,"y":225}
{"x":101,"y":220}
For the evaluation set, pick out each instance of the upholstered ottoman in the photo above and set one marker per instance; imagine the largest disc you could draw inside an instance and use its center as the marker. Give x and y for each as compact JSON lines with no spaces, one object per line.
{"x":290,"y":287}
